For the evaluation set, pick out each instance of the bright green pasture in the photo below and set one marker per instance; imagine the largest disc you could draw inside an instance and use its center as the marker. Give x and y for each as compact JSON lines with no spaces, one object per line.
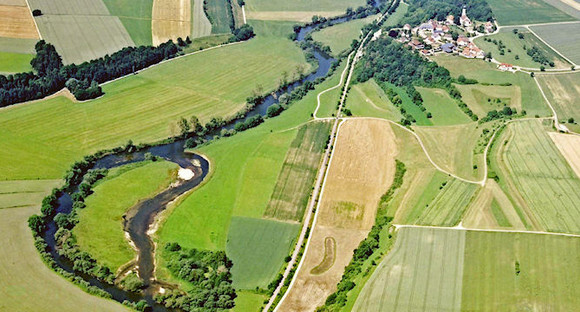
{"x":100,"y":228}
{"x":564,"y":38}
{"x":302,"y":5}
{"x":532,"y":101}
{"x":143,"y":107}
{"x":369,"y":100}
{"x":25,"y":193}
{"x":15,"y":62}
{"x":540,"y":174}
{"x":443,"y":108}
{"x":517,"y":47}
{"x":482,"y":99}
{"x":207,"y":42}
{"x":257,"y":248}
{"x":293,"y":187}
{"x":423,"y":272}
{"x":563,"y":93}
{"x":409,"y":106}
{"x":248,"y":301}
{"x":218,"y":13}
{"x":519,"y":12}
{"x":547,"y":281}
{"x":135,"y":16}
{"x":339,"y":37}
{"x":397,"y":16}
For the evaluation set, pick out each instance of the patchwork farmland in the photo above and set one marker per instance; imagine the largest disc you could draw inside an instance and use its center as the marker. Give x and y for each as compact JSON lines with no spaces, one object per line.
{"x":518,"y":12}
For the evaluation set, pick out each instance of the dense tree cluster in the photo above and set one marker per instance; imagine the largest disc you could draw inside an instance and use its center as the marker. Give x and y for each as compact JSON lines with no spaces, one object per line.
{"x":210,"y":277}
{"x":423,"y":10}
{"x":245,"y":32}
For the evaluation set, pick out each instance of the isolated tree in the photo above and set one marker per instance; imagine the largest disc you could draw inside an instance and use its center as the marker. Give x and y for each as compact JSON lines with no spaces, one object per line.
{"x":571,"y":120}
{"x":36,"y":12}
{"x":184,"y":127}
{"x":37,"y":224}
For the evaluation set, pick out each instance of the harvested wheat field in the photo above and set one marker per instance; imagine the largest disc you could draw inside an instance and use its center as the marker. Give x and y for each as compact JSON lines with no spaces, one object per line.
{"x":16,"y":21}
{"x":361,"y":170}
{"x":492,"y":209}
{"x":569,"y":146}
{"x":171,"y":20}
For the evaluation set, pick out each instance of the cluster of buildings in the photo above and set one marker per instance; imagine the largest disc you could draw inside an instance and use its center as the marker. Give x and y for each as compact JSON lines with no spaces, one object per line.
{"x":436,"y":36}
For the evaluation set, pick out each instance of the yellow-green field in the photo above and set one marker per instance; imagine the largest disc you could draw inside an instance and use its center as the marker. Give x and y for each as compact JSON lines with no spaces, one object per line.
{"x":339,"y":37}
{"x":15,"y":62}
{"x":369,"y":100}
{"x":564,"y":95}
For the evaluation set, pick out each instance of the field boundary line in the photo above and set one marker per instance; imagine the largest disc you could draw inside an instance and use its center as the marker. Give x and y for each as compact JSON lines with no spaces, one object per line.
{"x":458,"y":228}
{"x":551,"y":47}
{"x":34,"y":19}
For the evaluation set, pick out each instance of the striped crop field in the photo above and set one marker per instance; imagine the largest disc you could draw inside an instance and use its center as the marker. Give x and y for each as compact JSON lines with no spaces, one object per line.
{"x":537,"y":171}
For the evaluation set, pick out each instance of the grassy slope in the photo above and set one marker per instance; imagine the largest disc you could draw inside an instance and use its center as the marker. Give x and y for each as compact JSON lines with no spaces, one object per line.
{"x":563,"y":38}
{"x":23,"y":275}
{"x":15,"y":62}
{"x":135,"y":16}
{"x":517,"y":12}
{"x":257,"y":249}
{"x":248,"y":301}
{"x":423,"y":272}
{"x":516,"y":45}
{"x":477,"y":97}
{"x":100,"y":229}
{"x":339,"y":37}
{"x":532,"y":100}
{"x":369,"y":100}
{"x":218,"y":12}
{"x":143,"y":107}
{"x":542,"y":177}
{"x":548,"y":274}
{"x":443,"y":108}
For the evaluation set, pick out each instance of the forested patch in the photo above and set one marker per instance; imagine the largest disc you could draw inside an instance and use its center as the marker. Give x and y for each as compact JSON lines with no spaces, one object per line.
{"x":422,"y":10}
{"x":208,"y":273}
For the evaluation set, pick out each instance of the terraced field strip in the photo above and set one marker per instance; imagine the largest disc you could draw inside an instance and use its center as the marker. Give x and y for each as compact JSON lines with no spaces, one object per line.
{"x":562,"y":37}
{"x":171,"y":20}
{"x":520,"y":271}
{"x":517,"y":12}
{"x":16,"y":21}
{"x":542,"y":176}
{"x":293,"y":188}
{"x":360,"y":171}
{"x":423,"y":272}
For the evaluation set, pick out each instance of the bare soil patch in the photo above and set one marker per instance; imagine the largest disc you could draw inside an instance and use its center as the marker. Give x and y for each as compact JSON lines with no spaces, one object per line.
{"x":171,"y":20}
{"x":16,"y":22}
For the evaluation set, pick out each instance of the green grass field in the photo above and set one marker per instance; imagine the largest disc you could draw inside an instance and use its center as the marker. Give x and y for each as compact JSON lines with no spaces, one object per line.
{"x":143,"y":107}
{"x":100,"y":228}
{"x":248,"y":301}
{"x":15,"y":62}
{"x":423,"y":272}
{"x":518,"y":12}
{"x":135,"y":16}
{"x":535,"y":170}
{"x":563,"y":38}
{"x":219,"y":14}
{"x":292,"y":191}
{"x":369,"y":100}
{"x":25,"y":193}
{"x":443,"y":108}
{"x":258,"y":248}
{"x":516,"y":46}
{"x":339,"y":37}
{"x":564,"y":96}
{"x":546,"y":282}
{"x":532,"y":100}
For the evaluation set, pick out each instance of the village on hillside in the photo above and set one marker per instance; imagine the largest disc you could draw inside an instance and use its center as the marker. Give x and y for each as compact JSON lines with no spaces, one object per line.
{"x":452,"y":36}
